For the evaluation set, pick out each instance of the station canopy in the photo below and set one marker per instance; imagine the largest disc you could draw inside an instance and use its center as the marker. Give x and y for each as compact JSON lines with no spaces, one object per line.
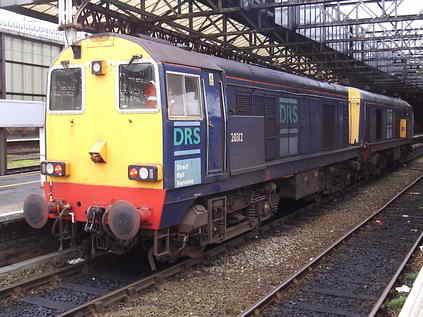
{"x":371,"y":44}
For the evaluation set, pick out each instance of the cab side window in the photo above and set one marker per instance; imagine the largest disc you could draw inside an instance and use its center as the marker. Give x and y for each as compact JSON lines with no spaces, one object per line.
{"x":183,"y":96}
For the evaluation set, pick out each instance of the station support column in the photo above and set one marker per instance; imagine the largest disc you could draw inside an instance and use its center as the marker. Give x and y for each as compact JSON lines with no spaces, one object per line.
{"x":3,"y":131}
{"x":42,"y":136}
{"x":3,"y":151}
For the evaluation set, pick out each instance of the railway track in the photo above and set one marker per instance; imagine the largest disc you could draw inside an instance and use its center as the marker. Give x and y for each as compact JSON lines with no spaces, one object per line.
{"x":18,"y":250}
{"x":72,"y":292}
{"x":13,"y":229}
{"x":19,"y":242}
{"x":78,"y":293}
{"x":355,"y":274}
{"x":95,"y":285}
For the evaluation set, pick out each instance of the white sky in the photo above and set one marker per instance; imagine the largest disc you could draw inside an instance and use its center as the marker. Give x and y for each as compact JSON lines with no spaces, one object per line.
{"x":29,"y":26}
{"x":11,"y":16}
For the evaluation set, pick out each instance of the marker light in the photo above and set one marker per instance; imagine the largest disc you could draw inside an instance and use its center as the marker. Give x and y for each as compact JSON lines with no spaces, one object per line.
{"x":146,"y":173}
{"x":54,"y":168}
{"x":58,"y":170}
{"x":133,"y":173}
{"x":98,"y":68}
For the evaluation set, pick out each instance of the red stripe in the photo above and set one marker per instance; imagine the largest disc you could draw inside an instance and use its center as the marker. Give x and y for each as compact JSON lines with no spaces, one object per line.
{"x":181,"y":65}
{"x":80,"y":197}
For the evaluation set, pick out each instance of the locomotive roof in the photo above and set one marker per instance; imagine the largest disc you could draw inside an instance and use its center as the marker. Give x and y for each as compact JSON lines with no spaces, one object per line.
{"x":162,"y":51}
{"x":381,"y":99}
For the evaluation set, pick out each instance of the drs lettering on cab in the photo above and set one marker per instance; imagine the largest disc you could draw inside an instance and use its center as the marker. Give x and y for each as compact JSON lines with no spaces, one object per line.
{"x":186,"y":136}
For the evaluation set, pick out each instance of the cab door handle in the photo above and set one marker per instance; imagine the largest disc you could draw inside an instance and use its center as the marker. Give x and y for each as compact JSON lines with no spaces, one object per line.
{"x":211,"y":124}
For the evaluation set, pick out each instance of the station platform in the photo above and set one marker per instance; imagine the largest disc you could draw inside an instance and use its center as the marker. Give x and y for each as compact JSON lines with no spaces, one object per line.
{"x":13,"y":191}
{"x":413,"y":306}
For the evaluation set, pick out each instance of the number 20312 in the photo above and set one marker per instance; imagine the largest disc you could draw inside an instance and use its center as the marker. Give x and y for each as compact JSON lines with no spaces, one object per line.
{"x":237,"y":137}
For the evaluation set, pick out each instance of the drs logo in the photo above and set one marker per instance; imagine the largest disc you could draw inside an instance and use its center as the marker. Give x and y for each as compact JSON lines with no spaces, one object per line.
{"x":288,"y":111}
{"x":186,"y":136}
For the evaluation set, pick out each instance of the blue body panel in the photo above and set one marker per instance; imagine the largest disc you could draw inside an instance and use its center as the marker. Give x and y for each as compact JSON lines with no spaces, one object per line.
{"x":194,"y":149}
{"x":185,"y":143}
{"x":245,"y":143}
{"x":299,"y":117}
{"x":247,"y":163}
{"x":187,"y":153}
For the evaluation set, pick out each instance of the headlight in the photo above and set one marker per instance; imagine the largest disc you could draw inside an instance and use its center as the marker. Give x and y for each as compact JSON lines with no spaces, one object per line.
{"x":98,"y":67}
{"x":54,"y":168}
{"x":50,"y":168}
{"x":143,"y":173}
{"x":146,"y":173}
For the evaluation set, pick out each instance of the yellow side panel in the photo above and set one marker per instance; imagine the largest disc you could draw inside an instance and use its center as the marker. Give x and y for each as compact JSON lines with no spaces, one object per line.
{"x":403,"y":128}
{"x":354,"y":99}
{"x":129,"y":138}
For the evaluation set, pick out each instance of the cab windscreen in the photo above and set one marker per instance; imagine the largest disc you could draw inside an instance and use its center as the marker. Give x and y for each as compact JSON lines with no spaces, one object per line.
{"x":65,"y":89}
{"x":137,"y":86}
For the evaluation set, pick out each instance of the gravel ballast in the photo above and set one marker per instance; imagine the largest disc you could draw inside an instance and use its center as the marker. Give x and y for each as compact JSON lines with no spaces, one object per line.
{"x":231,"y":282}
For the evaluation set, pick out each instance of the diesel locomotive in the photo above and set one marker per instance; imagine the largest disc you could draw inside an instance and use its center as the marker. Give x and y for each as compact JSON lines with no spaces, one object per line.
{"x":151,"y":144}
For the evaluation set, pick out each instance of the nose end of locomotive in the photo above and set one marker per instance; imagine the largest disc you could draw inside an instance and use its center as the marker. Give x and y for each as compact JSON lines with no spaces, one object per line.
{"x":124,"y":220}
{"x":35,"y":211}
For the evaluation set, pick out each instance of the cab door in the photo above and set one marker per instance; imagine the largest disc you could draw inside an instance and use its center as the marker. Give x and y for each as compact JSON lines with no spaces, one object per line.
{"x":215,"y":123}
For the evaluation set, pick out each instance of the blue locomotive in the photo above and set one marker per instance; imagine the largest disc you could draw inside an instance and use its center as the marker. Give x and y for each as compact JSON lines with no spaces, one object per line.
{"x":148,"y":141}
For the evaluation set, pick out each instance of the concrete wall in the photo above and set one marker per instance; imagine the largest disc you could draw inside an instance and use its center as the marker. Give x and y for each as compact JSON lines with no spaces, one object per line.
{"x":26,"y":63}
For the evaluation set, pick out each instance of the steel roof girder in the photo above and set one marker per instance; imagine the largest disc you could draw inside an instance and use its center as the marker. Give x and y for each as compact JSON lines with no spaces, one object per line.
{"x":375,"y":20}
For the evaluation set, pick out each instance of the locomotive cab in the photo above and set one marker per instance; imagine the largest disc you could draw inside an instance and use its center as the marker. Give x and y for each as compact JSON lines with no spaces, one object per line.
{"x":129,"y":133}
{"x":104,"y":141}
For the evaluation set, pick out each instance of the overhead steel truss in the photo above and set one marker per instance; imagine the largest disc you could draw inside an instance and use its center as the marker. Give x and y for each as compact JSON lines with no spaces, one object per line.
{"x":371,"y":44}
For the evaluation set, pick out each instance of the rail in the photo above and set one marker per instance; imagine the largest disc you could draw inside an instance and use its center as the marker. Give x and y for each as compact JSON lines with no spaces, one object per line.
{"x":418,"y":138}
{"x":103,"y":301}
{"x":262,"y":304}
{"x":26,"y":285}
{"x":100,"y":303}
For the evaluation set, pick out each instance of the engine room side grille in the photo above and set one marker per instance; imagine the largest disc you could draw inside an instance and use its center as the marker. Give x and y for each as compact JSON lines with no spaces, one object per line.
{"x":243,"y":105}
